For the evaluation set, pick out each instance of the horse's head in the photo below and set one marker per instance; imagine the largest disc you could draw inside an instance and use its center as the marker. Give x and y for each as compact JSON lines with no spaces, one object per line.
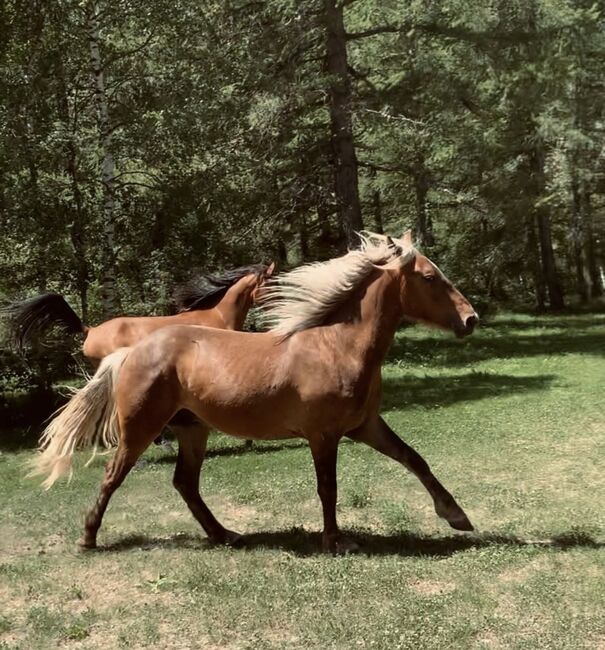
{"x":257,"y":281}
{"x":427,"y":296}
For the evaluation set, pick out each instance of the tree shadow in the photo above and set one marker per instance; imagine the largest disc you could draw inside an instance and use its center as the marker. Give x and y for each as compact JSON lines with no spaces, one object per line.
{"x":443,"y":390}
{"x":22,"y":416}
{"x":452,"y":352}
{"x":13,"y":440}
{"x":239,"y":450}
{"x":306,"y":544}
{"x":400,"y":392}
{"x":575,"y":323}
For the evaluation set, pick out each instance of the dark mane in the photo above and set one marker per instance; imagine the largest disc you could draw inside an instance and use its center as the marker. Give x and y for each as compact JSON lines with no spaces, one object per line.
{"x":206,"y":288}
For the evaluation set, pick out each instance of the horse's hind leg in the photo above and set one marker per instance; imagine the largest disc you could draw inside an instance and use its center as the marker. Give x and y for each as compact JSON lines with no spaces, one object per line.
{"x":380,"y":436}
{"x":192,"y":438}
{"x":115,"y":473}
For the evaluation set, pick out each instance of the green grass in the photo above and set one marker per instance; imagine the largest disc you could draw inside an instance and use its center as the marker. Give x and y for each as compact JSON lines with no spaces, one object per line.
{"x":511,"y":420}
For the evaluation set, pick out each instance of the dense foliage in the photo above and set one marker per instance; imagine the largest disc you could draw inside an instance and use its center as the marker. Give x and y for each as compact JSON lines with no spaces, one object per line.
{"x":141,"y":139}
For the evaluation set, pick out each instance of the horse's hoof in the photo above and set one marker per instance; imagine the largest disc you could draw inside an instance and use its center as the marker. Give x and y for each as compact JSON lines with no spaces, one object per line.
{"x":455,"y":517}
{"x":340,"y":546}
{"x":233,"y":539}
{"x":461,"y":523}
{"x":227,"y":538}
{"x":85,"y":544}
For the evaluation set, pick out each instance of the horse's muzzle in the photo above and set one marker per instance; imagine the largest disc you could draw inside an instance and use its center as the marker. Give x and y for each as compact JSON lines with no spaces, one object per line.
{"x":466,"y":326}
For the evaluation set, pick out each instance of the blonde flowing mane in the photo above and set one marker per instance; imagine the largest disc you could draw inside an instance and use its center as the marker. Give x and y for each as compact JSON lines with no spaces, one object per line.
{"x":304,"y":297}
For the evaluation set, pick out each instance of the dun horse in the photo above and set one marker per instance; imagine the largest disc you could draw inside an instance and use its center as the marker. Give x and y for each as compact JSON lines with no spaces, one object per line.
{"x":220,"y":301}
{"x":315,"y":375}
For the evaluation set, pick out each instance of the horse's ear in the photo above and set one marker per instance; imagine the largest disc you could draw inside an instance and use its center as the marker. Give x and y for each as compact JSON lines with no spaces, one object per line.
{"x":393,"y":246}
{"x":406,"y":238}
{"x":270,"y":270}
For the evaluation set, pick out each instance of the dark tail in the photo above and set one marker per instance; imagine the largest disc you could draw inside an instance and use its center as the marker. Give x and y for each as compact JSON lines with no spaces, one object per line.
{"x":29,"y":318}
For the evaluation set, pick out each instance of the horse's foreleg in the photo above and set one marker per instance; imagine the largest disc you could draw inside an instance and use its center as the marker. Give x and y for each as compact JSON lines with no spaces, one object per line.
{"x":380,"y":436}
{"x":325,"y":450}
{"x":192,"y":439}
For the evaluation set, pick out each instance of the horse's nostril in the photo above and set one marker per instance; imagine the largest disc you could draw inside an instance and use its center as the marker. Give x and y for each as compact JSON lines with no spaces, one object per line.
{"x":471,"y":321}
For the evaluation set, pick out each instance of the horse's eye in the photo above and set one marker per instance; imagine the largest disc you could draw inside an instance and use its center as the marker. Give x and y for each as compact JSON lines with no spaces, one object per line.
{"x":429,"y":278}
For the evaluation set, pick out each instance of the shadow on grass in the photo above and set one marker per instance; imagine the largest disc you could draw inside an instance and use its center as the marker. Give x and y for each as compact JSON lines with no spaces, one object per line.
{"x":575,"y":323}
{"x":305,"y":544}
{"x":506,"y":344}
{"x":499,"y":339}
{"x":13,"y":440}
{"x":239,"y":450}
{"x":440,"y":390}
{"x":399,"y":392}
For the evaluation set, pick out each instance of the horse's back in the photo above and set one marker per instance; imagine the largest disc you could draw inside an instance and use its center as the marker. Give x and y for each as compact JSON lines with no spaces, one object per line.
{"x":127,"y":331}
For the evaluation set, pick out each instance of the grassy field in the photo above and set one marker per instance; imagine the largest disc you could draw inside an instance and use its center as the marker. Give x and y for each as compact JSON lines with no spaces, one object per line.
{"x":512,"y":421}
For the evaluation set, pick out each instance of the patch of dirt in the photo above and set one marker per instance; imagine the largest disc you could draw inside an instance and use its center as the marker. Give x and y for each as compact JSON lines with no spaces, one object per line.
{"x":488,"y":639}
{"x":519,"y":575}
{"x":13,"y":542}
{"x":507,"y":609}
{"x":596,"y":643}
{"x":9,"y":597}
{"x":104,"y":586}
{"x":279,"y":637}
{"x":237,"y":515}
{"x":428,"y":588}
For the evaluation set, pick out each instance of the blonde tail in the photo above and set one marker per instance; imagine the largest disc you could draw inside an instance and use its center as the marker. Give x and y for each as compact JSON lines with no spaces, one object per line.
{"x":89,"y":418}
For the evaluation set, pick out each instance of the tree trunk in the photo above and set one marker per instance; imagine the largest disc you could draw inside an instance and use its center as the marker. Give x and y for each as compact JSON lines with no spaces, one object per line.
{"x":108,"y":290}
{"x":577,"y":235}
{"x":533,"y":255}
{"x":542,"y":216}
{"x":76,"y":228}
{"x":555,"y":291}
{"x":304,"y":239}
{"x":340,"y":104}
{"x":376,"y":205}
{"x":595,"y":284}
{"x":424,"y":230}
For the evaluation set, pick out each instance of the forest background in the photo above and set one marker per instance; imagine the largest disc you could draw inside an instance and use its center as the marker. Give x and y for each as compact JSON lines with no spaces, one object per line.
{"x":140,"y":141}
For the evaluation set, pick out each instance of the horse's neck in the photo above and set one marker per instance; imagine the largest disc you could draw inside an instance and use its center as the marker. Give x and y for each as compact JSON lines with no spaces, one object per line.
{"x":365,"y":327}
{"x":235,"y":305}
{"x":228,"y":313}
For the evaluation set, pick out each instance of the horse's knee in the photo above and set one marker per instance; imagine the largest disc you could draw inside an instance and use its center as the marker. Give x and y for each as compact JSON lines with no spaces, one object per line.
{"x":327,"y":492}
{"x":178,"y":484}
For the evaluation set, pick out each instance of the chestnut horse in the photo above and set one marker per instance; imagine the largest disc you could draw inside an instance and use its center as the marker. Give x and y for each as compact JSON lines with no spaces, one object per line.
{"x":316,"y":374}
{"x":221,"y":301}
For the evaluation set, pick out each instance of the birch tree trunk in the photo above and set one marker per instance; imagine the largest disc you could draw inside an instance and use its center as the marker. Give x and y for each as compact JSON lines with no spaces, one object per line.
{"x":108,"y":280}
{"x":340,"y":103}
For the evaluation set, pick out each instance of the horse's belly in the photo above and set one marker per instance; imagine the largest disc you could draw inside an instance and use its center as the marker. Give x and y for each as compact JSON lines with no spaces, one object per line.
{"x":280,"y":419}
{"x":243,"y":398}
